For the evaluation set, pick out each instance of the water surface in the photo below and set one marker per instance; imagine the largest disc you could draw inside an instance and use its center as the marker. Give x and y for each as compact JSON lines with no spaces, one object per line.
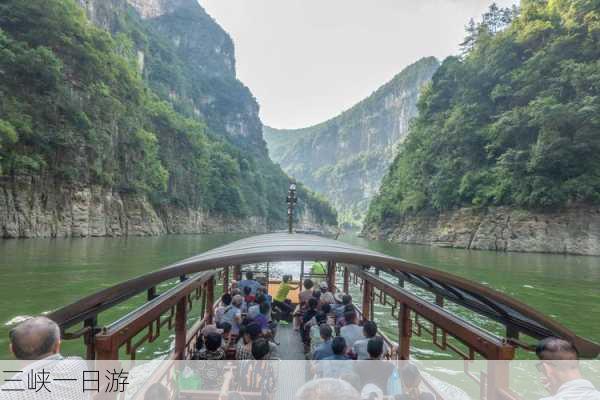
{"x":40,"y":275}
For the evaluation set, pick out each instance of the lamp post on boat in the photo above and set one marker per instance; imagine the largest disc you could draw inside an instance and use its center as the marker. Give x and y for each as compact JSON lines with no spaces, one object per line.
{"x":291,"y":202}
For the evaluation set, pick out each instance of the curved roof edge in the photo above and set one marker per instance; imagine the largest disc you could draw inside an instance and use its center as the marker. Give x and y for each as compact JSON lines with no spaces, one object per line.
{"x":293,"y":247}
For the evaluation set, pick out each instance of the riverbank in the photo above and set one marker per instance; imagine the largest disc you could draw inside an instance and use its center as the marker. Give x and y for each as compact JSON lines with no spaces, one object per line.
{"x":573,"y":230}
{"x":31,"y":209}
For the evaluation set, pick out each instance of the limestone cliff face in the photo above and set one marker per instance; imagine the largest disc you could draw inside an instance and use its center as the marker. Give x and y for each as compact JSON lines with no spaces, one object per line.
{"x":574,"y":230}
{"x":346,"y":157}
{"x":30,"y":208}
{"x":185,"y":57}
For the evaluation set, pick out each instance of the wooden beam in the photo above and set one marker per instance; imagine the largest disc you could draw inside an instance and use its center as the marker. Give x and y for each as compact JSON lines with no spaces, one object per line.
{"x":180,"y":328}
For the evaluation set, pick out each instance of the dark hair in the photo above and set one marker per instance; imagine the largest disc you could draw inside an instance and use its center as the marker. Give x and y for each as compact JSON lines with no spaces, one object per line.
{"x":34,"y":338}
{"x":370,"y":329}
{"x":316,"y":295}
{"x":157,"y":391}
{"x":287,"y":278}
{"x":552,"y":348}
{"x":213,"y":341}
{"x":226,"y":326}
{"x":338,"y":345}
{"x":264,"y":308}
{"x":249,"y":275}
{"x":308,"y":284}
{"x":312,"y":303}
{"x":348,"y":307}
{"x":253,"y":330}
{"x":226,"y":299}
{"x":346,"y":299}
{"x":247,"y":290}
{"x":375,"y":347}
{"x":260,"y":349}
{"x":350,"y":316}
{"x":260,"y":298}
{"x":321,"y":318}
{"x":325,"y":331}
{"x":326,"y":308}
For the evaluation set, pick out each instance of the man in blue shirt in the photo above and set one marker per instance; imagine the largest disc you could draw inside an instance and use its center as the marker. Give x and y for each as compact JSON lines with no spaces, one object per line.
{"x":336,"y":365}
{"x":324,"y":350}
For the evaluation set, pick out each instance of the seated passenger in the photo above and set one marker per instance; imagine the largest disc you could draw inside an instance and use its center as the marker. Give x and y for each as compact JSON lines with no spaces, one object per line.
{"x":351,"y":331}
{"x":254,"y":309}
{"x":262,"y":319}
{"x":373,"y":370}
{"x":340,"y":309}
{"x":213,"y":349}
{"x":233,"y":314}
{"x":261,"y":349}
{"x":560,"y":371}
{"x":326,"y":295}
{"x":334,"y":366}
{"x":308,"y":319}
{"x":411,"y":385}
{"x":226,"y":328}
{"x":360,"y":346}
{"x":250,"y":333}
{"x":249,"y":298}
{"x":219,"y":311}
{"x":324,"y":349}
{"x":303,"y":298}
{"x":39,"y":339}
{"x":249,"y":282}
{"x":307,"y":293}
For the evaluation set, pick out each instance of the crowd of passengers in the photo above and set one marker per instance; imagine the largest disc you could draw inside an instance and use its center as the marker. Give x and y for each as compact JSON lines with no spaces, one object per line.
{"x":39,"y":339}
{"x":244,"y":329}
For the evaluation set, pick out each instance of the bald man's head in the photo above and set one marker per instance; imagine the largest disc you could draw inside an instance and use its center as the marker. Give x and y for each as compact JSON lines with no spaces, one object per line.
{"x":35,"y":338}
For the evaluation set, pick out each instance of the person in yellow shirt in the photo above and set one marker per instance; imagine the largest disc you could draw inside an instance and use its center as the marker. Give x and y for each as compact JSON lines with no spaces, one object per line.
{"x":279,"y":301}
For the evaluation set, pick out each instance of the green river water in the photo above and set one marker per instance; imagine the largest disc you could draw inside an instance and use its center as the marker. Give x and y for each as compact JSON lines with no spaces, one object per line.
{"x":37,"y":276}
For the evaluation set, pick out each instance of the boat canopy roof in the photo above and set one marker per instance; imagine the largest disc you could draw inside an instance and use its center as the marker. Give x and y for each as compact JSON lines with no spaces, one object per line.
{"x":296,"y":247}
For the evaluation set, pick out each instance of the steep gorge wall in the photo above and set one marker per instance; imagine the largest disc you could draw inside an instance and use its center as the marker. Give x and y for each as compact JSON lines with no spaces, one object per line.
{"x":346,"y":157}
{"x":30,"y":208}
{"x":573,"y":230}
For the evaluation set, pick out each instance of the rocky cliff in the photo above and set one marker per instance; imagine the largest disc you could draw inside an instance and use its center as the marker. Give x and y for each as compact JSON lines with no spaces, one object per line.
{"x":346,"y":157}
{"x":572,"y":230}
{"x":142,"y":131}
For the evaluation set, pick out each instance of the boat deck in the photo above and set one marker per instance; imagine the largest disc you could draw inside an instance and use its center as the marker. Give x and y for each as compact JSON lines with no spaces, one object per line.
{"x":290,"y":348}
{"x":290,"y":344}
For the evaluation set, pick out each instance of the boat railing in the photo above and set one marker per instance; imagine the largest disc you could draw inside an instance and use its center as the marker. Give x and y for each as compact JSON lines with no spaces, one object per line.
{"x":192,"y":299}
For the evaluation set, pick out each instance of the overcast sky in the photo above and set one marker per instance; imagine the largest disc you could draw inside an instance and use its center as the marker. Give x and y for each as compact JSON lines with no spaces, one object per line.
{"x":308,"y":60}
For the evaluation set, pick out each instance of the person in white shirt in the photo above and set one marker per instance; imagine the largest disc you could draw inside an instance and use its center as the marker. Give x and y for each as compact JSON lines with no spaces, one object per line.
{"x":360,"y":346}
{"x":560,"y":371}
{"x":351,"y":331}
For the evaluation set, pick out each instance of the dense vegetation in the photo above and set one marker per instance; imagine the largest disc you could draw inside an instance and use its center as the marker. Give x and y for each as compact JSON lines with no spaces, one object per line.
{"x":75,"y":109}
{"x":513,"y":121}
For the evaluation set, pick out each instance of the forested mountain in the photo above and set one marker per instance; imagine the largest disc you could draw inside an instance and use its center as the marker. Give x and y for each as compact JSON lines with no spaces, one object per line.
{"x":135,"y":124}
{"x":513,"y":121}
{"x":346,"y":157}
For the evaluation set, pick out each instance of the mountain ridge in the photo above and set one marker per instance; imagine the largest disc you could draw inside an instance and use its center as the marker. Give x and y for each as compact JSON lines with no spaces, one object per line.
{"x":345,"y":157}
